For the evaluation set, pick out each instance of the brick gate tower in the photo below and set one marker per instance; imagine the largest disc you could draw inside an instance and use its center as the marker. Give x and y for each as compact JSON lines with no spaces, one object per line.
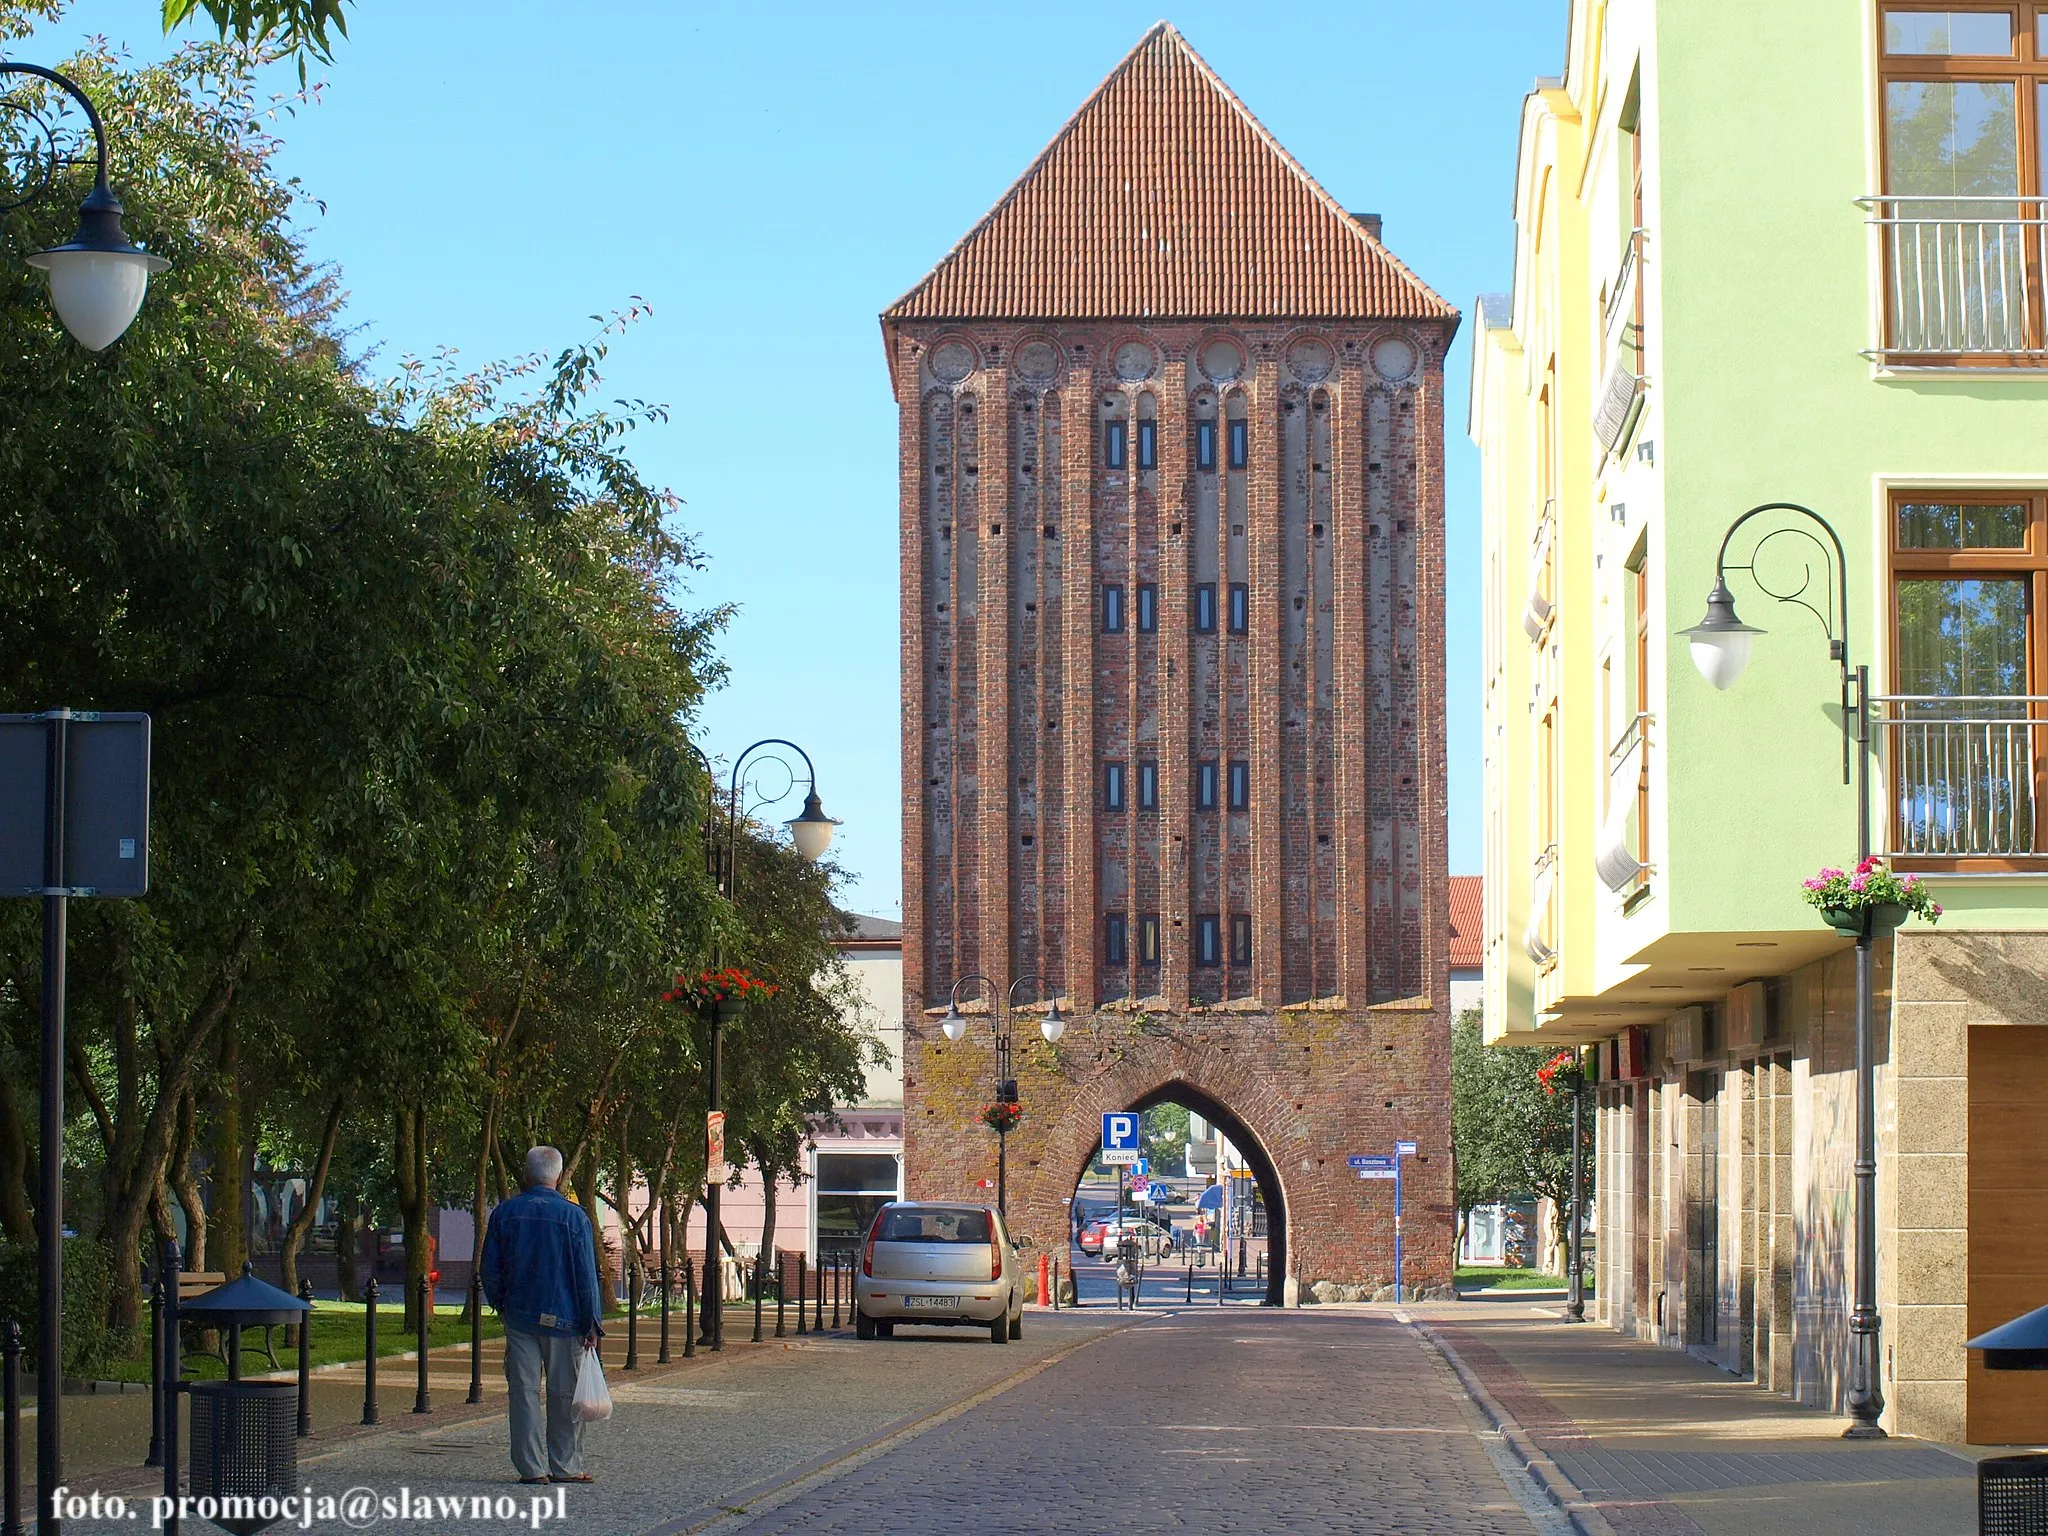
{"x":1171,"y":434}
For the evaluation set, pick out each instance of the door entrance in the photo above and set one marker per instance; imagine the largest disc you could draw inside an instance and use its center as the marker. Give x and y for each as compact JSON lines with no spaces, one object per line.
{"x":2008,"y":1237}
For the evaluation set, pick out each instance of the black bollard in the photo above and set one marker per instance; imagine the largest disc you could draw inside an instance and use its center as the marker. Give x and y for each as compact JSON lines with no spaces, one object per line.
{"x":803,"y":1281}
{"x":1055,"y":1285}
{"x":306,"y":1360}
{"x":760,"y":1280}
{"x":10,"y":1349}
{"x":689,"y":1307}
{"x":476,"y":1334}
{"x":234,"y":1352}
{"x":420,"y":1403}
{"x":155,"y":1458}
{"x":781,"y":1289}
{"x":1191,"y":1285}
{"x":835,"y":1291}
{"x":666,"y":1278}
{"x":632,"y":1318}
{"x":369,"y":1353}
{"x":171,"y":1267}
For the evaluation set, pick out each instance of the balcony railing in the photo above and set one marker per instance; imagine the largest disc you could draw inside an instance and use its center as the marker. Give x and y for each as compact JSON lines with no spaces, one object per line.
{"x":1962,"y":277}
{"x":1536,"y":613}
{"x":1964,"y":774}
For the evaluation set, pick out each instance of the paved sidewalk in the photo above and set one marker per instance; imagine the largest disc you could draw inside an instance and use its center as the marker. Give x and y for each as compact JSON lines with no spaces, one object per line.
{"x":1651,"y":1442}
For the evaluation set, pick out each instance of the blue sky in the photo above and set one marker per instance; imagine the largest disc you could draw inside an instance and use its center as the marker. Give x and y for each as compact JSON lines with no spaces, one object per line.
{"x":495,"y":172}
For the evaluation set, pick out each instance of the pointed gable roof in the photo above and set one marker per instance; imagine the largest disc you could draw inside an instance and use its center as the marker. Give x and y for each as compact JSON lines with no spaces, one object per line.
{"x":1164,"y":198}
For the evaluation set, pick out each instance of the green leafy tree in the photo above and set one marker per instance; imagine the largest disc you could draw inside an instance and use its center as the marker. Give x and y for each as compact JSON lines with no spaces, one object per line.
{"x":1511,"y":1129}
{"x":1163,"y":1139}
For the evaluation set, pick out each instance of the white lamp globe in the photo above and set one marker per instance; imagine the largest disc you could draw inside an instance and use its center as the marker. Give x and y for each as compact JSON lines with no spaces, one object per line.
{"x":954,"y":1026}
{"x":812,"y":831}
{"x":97,"y":294}
{"x":1720,"y":642}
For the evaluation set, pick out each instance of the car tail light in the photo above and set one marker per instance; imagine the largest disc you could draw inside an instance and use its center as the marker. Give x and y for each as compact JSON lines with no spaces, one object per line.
{"x":995,"y":1249}
{"x":867,"y":1258}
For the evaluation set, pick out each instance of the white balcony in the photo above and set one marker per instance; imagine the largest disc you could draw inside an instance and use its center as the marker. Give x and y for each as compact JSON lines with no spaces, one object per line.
{"x":1542,"y":552}
{"x":1962,"y":278}
{"x":1619,"y":858}
{"x":1964,"y":775}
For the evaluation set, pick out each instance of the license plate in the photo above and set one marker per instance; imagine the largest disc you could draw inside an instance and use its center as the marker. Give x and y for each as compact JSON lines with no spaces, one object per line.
{"x":936,"y":1303}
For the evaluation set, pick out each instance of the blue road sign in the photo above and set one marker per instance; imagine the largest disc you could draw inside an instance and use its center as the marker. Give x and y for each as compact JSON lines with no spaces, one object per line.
{"x":1120,"y":1137}
{"x":1404,"y":1149}
{"x":1370,"y":1162}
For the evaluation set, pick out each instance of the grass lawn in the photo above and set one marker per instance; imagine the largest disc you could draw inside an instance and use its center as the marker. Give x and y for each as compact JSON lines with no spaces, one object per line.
{"x":337,"y":1337}
{"x":1474,"y":1277}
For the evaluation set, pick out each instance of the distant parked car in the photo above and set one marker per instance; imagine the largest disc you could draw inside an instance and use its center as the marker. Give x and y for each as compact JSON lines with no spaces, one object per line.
{"x":927,"y":1262}
{"x":1151,"y":1238}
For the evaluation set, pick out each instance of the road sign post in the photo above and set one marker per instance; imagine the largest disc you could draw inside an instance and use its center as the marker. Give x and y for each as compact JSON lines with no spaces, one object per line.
{"x":74,"y":821}
{"x":1402,"y":1149}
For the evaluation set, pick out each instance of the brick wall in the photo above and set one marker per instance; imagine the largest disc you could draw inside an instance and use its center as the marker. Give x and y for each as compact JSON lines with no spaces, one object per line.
{"x":1333,"y":1039}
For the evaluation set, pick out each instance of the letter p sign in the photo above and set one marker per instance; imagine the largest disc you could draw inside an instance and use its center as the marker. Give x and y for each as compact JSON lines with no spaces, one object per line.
{"x":1120,"y":1138}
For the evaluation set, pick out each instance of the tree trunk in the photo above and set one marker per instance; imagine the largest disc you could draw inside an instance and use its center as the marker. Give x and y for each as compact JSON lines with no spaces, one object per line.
{"x":186,"y":1184}
{"x":15,"y":1219}
{"x":316,"y":1188}
{"x":586,"y":1196}
{"x":347,"y":1240}
{"x":230,"y":1218}
{"x":409,"y":1164}
{"x":767,"y":1264}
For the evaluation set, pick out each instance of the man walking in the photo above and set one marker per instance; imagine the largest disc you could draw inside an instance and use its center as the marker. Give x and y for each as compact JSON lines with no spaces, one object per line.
{"x":540,"y":1274}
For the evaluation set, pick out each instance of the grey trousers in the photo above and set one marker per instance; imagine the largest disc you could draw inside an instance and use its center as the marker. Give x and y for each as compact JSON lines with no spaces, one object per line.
{"x":527,"y":1357}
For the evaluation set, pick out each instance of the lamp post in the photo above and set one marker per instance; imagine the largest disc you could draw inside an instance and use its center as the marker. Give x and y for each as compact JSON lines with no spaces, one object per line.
{"x":1575,"y":1308}
{"x":97,"y":281}
{"x":810,"y":831}
{"x":1051,"y":1027}
{"x":1720,"y":645}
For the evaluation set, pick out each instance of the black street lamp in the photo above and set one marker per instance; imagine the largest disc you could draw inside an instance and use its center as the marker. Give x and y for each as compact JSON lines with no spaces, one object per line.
{"x":97,"y":277}
{"x":97,"y":282}
{"x":1720,"y":649}
{"x":1575,"y":1308}
{"x":810,"y":831}
{"x":1052,"y":1026}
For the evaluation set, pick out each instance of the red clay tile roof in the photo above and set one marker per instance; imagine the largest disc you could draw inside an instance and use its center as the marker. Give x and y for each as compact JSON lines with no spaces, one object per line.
{"x":1164,"y":198}
{"x":1468,"y":918}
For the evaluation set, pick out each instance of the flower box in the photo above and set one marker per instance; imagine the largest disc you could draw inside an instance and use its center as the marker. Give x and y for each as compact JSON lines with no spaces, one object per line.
{"x":1871,"y":899}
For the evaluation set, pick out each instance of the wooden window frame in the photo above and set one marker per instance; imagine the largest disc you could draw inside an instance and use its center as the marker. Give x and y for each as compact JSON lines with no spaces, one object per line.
{"x":2030,"y":563}
{"x":2026,"y":67}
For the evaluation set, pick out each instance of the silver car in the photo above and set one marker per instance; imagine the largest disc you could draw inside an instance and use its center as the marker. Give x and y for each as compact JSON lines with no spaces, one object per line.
{"x":931,"y":1262}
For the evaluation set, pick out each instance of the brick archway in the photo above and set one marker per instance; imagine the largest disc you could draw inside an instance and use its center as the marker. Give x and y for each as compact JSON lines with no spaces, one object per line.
{"x":1272,"y":1190}
{"x":1296,"y":1091}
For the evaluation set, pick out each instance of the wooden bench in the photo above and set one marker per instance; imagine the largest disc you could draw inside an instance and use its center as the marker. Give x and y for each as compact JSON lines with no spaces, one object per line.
{"x":194,"y":1283}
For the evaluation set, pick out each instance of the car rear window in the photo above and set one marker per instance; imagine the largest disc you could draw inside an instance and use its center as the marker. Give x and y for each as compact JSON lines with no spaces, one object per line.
{"x":933,"y":1227}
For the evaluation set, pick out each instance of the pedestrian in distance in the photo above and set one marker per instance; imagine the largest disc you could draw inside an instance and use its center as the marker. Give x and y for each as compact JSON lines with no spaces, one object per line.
{"x":540,"y":1274}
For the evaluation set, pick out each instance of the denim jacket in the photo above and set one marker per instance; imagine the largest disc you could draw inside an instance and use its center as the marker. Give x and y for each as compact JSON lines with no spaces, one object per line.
{"x":539,"y":1270}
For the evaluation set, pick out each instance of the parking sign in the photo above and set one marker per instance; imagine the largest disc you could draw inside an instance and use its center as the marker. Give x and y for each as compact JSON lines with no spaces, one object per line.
{"x":1120,"y":1138}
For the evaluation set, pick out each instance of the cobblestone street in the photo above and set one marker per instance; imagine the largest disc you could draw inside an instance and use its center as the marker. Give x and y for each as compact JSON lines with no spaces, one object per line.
{"x":1198,"y":1421}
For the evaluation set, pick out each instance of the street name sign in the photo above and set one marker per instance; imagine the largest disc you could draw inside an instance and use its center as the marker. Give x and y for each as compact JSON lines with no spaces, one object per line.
{"x":1361,"y":1161}
{"x":1379,"y":1173}
{"x":1404,"y":1149}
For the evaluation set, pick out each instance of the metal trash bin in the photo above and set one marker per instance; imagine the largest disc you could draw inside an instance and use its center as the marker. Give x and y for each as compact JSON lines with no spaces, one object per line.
{"x":245,"y":1448}
{"x":2012,"y":1495}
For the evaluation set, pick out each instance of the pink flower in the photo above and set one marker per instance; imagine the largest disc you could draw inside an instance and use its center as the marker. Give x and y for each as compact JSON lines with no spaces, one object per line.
{"x":1858,"y":882}
{"x":1910,"y":881}
{"x":1815,"y":885}
{"x":1935,"y":908}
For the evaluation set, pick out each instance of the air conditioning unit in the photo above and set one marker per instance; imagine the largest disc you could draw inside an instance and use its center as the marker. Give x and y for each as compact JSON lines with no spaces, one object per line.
{"x":1685,"y":1036}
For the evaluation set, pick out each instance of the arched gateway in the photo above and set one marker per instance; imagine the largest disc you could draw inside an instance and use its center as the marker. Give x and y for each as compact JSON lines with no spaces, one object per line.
{"x":1171,"y":428}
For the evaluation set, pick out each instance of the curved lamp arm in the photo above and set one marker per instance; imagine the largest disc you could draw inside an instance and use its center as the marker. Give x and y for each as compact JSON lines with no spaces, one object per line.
{"x":955,"y":1022}
{"x":1720,"y":642}
{"x":1055,"y":1023}
{"x":98,"y":277}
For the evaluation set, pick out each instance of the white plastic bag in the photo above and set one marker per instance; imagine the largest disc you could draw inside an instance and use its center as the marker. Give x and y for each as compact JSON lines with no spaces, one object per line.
{"x":593,"y":1397}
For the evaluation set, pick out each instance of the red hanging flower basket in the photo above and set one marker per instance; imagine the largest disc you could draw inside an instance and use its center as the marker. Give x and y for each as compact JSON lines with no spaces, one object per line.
{"x":1002,"y":1115}
{"x":725,"y":989}
{"x":1563,"y":1066}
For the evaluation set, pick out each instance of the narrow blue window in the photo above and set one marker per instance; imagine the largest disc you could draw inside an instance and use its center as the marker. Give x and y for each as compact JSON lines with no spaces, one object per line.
{"x":1112,"y":786}
{"x":1239,"y":441}
{"x":1148,"y":786}
{"x":1208,"y":940}
{"x":1205,"y":786}
{"x":1205,"y":608}
{"x":1205,"y":445}
{"x":1240,"y":938}
{"x":1240,"y":786}
{"x":1240,"y":607}
{"x":1148,"y":445}
{"x":1112,"y":609}
{"x":1113,"y":934}
{"x":1113,"y":444}
{"x":1148,"y":607}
